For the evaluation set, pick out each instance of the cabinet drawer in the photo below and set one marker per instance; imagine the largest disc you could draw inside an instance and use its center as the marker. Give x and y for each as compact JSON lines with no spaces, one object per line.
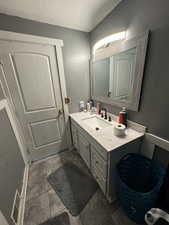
{"x":84,"y":149}
{"x":98,"y":164}
{"x":101,"y":181}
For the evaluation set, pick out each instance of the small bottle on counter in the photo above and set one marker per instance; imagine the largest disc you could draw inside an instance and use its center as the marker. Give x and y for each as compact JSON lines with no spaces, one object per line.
{"x":81,"y":106}
{"x":88,"y":106}
{"x":91,"y":103}
{"x":123,"y":116}
{"x":98,"y":107}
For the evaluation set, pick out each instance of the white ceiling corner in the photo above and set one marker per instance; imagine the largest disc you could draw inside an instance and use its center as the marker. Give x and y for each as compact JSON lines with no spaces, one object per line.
{"x":81,"y":15}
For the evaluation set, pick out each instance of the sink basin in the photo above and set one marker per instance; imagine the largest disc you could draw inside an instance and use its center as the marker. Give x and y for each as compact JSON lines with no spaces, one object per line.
{"x":96,"y":123}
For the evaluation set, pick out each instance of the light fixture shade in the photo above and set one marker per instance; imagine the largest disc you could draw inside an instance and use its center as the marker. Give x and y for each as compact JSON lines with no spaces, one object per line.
{"x":109,"y":39}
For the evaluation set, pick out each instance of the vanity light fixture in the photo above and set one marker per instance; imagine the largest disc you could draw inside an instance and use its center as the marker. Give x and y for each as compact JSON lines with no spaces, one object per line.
{"x":109,"y":39}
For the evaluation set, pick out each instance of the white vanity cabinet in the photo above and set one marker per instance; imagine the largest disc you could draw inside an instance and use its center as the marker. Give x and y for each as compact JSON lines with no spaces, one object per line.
{"x":101,"y":162}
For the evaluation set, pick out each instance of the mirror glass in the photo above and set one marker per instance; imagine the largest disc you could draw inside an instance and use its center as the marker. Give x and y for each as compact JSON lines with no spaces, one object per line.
{"x":117,"y":72}
{"x":114,"y":76}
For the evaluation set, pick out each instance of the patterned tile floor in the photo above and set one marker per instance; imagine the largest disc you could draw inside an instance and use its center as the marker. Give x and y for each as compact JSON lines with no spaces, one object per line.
{"x":43,"y":203}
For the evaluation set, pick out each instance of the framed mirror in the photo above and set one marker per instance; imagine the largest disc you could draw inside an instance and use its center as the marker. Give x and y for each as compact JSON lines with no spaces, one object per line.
{"x":117,"y":72}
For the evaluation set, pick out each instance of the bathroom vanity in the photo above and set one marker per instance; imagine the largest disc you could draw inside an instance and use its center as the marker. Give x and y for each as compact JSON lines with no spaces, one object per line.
{"x":93,"y":138}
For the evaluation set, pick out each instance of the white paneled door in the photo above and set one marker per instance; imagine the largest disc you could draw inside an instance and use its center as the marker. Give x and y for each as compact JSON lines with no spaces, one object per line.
{"x":30,"y":71}
{"x":122,"y":68}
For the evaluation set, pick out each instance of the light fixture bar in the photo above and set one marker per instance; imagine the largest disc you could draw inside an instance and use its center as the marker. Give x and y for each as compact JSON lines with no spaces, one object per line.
{"x":109,"y":39}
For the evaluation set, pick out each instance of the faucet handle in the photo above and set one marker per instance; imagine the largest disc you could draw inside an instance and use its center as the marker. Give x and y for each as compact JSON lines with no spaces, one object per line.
{"x":105,"y":113}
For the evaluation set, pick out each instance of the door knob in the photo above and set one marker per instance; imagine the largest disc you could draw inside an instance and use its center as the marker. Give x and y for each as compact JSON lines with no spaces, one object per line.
{"x":60,"y":112}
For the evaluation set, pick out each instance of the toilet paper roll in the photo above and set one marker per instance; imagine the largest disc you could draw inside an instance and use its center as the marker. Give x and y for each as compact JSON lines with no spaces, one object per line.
{"x":119,"y":130}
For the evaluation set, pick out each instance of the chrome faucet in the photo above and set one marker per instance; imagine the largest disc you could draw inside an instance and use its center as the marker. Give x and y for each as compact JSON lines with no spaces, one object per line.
{"x":105,"y":113}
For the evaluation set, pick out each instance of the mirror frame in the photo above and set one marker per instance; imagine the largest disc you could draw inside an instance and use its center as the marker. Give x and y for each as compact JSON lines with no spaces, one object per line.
{"x":140,"y":43}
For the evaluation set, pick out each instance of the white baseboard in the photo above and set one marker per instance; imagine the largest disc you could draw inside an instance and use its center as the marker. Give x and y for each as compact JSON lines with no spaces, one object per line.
{"x":23,"y":197}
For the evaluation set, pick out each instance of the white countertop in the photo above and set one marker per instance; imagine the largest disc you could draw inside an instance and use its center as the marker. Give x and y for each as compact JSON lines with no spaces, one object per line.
{"x":105,"y":137}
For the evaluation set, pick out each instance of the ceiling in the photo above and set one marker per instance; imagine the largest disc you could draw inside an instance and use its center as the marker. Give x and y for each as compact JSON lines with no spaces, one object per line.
{"x":81,"y":15}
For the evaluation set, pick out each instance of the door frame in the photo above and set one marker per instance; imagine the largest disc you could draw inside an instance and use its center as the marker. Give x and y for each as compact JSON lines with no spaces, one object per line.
{"x":57,"y":44}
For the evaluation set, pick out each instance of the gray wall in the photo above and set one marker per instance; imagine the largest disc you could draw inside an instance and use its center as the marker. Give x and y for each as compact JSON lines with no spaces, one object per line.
{"x":76,"y":53}
{"x":136,"y":16}
{"x":11,"y":166}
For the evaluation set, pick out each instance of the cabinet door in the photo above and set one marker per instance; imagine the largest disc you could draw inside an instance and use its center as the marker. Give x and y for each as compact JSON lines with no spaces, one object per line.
{"x":75,"y":137}
{"x":84,"y":149}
